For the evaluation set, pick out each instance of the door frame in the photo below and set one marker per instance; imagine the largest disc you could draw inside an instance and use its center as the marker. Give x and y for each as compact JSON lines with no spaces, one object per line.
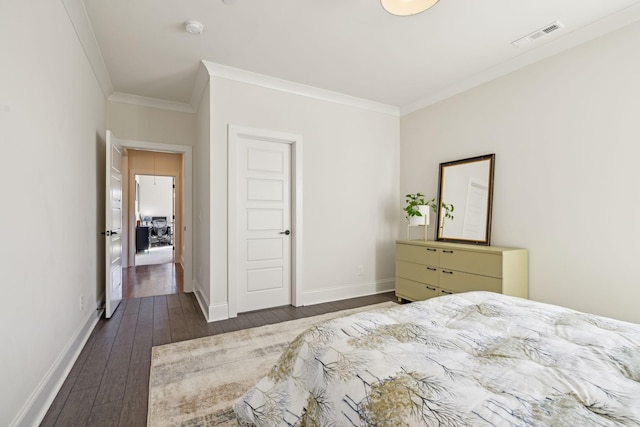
{"x":187,"y":198}
{"x":234,"y":133}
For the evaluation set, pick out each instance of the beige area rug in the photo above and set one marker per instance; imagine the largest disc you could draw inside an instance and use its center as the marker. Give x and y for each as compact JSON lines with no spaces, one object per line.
{"x":196,"y":382}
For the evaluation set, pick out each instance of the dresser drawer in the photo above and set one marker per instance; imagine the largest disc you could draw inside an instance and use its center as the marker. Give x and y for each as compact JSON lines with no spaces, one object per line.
{"x":415,"y":291}
{"x":485,"y":264}
{"x":457,"y":281}
{"x":417,"y":272}
{"x":417,"y":254}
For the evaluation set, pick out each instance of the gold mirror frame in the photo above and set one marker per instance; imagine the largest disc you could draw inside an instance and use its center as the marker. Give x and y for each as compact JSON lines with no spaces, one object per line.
{"x":467,"y":185}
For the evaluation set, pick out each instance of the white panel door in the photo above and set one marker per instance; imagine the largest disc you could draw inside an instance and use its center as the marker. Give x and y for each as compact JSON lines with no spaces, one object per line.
{"x":263,"y":207}
{"x":113,"y":225}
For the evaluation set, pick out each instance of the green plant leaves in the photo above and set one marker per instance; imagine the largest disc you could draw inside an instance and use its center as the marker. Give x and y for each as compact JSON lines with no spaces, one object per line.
{"x":414,"y":200}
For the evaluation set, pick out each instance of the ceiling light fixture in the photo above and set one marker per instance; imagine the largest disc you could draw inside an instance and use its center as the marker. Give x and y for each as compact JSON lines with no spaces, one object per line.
{"x":407,"y":7}
{"x":194,"y":27}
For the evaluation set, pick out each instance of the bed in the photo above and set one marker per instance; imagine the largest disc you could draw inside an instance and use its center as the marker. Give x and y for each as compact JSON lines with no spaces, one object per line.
{"x":471,"y":359}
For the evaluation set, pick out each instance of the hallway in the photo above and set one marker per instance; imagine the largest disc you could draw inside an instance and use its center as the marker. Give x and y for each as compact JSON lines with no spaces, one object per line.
{"x":152,"y":280}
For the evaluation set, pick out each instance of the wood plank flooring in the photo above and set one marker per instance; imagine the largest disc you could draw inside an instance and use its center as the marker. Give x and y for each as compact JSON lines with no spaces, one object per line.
{"x":151,"y":280}
{"x":109,"y":383}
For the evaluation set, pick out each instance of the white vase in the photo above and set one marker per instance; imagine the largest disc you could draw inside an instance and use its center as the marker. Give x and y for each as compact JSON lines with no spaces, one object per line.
{"x":420,"y":220}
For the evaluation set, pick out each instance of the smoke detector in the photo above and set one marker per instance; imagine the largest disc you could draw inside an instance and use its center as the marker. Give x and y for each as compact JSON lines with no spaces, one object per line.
{"x":194,"y":27}
{"x":538,"y":34}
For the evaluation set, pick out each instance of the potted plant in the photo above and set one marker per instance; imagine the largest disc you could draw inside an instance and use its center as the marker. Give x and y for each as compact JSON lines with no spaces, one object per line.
{"x":447,"y":210}
{"x":417,"y":210}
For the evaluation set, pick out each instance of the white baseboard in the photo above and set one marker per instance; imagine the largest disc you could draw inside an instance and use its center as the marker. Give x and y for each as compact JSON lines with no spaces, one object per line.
{"x":218,"y":312}
{"x":203,"y":301}
{"x":212,"y":312}
{"x":40,"y":400}
{"x":348,"y":291}
{"x":215,"y":312}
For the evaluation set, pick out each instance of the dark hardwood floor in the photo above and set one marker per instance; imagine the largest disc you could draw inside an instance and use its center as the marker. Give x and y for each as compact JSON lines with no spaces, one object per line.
{"x":151,"y":280}
{"x":109,"y":383}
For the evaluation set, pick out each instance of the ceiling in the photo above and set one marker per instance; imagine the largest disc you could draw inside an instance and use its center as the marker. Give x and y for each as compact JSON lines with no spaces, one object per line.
{"x":352,"y":47}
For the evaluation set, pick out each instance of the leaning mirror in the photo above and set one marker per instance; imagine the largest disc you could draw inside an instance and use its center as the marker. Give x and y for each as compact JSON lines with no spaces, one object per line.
{"x":466,"y":195}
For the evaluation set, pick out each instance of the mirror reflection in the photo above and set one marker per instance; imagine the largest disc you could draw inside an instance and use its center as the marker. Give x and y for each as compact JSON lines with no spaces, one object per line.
{"x":465,"y":195}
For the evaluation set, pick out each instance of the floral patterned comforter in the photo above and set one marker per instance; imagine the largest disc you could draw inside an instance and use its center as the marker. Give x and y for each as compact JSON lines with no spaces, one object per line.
{"x":473,"y":359}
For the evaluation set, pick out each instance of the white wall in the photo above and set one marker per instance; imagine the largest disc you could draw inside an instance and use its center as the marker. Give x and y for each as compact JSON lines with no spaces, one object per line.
{"x":202,"y":201}
{"x":144,"y":123}
{"x":566,"y":136}
{"x":156,"y":196}
{"x":52,"y":135}
{"x":350,"y":186}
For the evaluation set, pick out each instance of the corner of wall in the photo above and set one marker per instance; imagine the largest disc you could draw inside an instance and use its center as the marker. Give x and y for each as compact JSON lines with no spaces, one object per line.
{"x":202,"y":78}
{"x":212,"y":312}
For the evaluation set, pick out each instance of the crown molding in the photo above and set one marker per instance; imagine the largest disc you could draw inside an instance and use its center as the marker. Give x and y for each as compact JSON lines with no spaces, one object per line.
{"x":144,"y":101}
{"x":564,"y":42}
{"x":80,"y":20}
{"x":236,"y":74}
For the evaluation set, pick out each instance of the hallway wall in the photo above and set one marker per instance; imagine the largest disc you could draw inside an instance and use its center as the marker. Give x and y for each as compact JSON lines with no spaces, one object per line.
{"x":128,"y":121}
{"x":52,"y":127}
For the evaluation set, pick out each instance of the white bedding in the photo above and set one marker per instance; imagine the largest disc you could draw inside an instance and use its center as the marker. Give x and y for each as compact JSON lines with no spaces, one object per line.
{"x":473,"y":359}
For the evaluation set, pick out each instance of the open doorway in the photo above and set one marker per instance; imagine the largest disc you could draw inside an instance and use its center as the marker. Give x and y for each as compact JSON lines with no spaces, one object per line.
{"x":154,"y":210}
{"x":156,"y":223}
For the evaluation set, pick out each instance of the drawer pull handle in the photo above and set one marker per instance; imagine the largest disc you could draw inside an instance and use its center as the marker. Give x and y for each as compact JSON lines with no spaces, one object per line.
{"x":446,"y":292}
{"x":431,"y":249}
{"x":430,"y":288}
{"x":447,"y":252}
{"x":447,"y":272}
{"x":431,"y":268}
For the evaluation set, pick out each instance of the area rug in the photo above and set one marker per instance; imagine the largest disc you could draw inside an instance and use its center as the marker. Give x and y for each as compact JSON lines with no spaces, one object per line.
{"x":196,"y":382}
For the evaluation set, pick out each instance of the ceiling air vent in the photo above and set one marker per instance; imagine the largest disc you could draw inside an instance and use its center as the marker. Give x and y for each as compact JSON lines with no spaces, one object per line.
{"x":538,"y":34}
